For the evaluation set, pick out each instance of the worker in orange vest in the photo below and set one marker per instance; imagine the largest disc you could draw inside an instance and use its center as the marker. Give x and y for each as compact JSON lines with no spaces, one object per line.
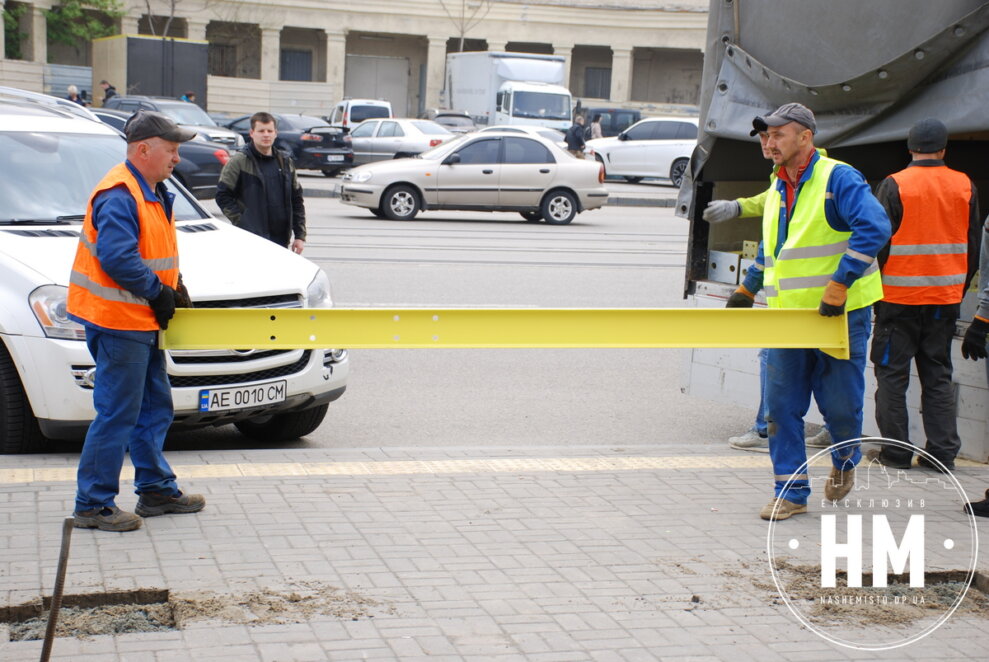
{"x":927,"y":267}
{"x":124,"y":287}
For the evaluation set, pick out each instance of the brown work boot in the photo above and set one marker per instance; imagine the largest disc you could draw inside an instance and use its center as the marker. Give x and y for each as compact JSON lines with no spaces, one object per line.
{"x":785,"y":509}
{"x":109,"y":518}
{"x":152,"y":504}
{"x":838,"y":485}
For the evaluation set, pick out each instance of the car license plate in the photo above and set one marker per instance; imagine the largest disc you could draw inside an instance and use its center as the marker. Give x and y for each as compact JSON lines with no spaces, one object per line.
{"x":241,"y":397}
{"x":334,"y":157}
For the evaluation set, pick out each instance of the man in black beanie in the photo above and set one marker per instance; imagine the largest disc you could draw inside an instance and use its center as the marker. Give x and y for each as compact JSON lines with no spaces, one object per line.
{"x":926,"y":269}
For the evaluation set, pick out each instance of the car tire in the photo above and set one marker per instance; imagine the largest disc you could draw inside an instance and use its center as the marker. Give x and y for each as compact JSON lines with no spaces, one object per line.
{"x":19,"y":430}
{"x":284,"y":427}
{"x":532,"y":216}
{"x":558,"y":207}
{"x":632,"y":180}
{"x":400,"y":203}
{"x":678,"y":170}
{"x":330,"y":172}
{"x":377,"y":212}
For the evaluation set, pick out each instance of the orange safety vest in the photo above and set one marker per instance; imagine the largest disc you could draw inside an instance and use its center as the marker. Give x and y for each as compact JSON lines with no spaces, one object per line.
{"x":96,"y":297}
{"x":928,"y":255}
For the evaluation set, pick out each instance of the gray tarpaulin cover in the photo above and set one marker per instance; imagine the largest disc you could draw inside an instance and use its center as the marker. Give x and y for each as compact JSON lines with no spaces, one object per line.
{"x":868,"y":69}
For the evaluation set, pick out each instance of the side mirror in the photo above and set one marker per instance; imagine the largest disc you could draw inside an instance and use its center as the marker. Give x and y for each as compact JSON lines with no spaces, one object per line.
{"x":623,"y":136}
{"x":452,"y":159}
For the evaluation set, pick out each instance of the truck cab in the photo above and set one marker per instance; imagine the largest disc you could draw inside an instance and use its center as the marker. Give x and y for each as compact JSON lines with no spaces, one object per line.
{"x":538,"y":104}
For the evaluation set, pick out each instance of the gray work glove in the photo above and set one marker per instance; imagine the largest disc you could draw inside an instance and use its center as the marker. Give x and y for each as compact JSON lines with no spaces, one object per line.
{"x":722,"y":210}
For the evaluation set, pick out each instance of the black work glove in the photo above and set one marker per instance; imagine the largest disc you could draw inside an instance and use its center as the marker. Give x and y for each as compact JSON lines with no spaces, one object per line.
{"x":974,"y":344}
{"x":833,"y":301}
{"x":163,"y":305}
{"x":741,"y":298}
{"x":182,"y":298}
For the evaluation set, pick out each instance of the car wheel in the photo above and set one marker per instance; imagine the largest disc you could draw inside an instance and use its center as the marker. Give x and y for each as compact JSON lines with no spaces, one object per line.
{"x":19,"y":431}
{"x":330,"y":172}
{"x":558,"y":207}
{"x":678,"y":170}
{"x":283,"y":427}
{"x":632,"y":180}
{"x":532,"y":216}
{"x":400,"y":203}
{"x":377,"y":212}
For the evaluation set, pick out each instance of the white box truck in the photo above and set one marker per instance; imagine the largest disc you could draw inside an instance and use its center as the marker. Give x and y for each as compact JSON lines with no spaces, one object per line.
{"x":509,"y":88}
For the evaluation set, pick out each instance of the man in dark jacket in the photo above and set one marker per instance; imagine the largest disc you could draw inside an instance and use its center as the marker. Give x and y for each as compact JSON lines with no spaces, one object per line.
{"x":259,"y":191}
{"x":575,"y":137}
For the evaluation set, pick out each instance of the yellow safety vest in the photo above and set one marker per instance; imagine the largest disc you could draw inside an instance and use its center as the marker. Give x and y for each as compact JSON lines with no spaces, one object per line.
{"x":797,"y":276}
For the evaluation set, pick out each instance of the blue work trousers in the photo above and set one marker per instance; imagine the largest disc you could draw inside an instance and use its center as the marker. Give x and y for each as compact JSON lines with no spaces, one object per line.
{"x":761,"y":426}
{"x":133,"y":403}
{"x":838,"y":385}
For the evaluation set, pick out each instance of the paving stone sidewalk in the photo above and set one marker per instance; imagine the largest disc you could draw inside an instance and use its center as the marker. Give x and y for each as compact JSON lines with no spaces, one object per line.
{"x":542,"y":554}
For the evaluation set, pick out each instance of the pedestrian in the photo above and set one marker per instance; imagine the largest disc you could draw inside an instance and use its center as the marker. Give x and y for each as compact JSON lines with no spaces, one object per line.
{"x":189,"y":96}
{"x":716,"y":211}
{"x":74,"y":95}
{"x":926,"y":269}
{"x":575,"y":137}
{"x":109,"y":91}
{"x":259,"y":190}
{"x":124,"y":287}
{"x":974,"y":344}
{"x":596,"y":127}
{"x":821,"y":229}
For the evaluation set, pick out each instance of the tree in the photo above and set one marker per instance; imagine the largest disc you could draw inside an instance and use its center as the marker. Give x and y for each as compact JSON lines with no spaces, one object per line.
{"x":13,"y":36}
{"x":465,"y":17}
{"x":75,"y":22}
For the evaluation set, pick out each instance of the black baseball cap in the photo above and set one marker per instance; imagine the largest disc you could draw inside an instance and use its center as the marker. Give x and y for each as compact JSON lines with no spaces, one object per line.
{"x":790,"y":112}
{"x":927,"y":136}
{"x":758,"y":126}
{"x":146,"y":124}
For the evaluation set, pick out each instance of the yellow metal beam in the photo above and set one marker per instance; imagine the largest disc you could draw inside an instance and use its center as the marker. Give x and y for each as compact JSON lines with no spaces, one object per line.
{"x":417,"y":328}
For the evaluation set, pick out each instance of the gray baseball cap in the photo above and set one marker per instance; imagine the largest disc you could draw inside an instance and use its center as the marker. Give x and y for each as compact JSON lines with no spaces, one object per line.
{"x":790,"y":112}
{"x":146,"y":124}
{"x":927,"y":136}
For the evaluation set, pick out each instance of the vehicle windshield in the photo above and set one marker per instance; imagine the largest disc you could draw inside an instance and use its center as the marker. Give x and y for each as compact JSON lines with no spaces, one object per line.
{"x":187,"y":113}
{"x":431,"y":128}
{"x":440,"y":151}
{"x":47,"y":178}
{"x":361,"y":113}
{"x":541,"y":105}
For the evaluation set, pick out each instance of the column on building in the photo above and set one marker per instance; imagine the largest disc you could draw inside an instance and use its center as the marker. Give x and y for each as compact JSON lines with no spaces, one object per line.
{"x":271,"y":46}
{"x":495,"y":45}
{"x":37,"y":50}
{"x":567,"y":52}
{"x":3,"y":35}
{"x":621,"y":73}
{"x":435,"y":70}
{"x":196,"y":28}
{"x":336,"y":63}
{"x":128,"y":24}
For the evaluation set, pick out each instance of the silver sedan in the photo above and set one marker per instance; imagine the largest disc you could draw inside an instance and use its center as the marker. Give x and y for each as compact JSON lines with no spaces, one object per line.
{"x":383,"y":139}
{"x":497,"y":171}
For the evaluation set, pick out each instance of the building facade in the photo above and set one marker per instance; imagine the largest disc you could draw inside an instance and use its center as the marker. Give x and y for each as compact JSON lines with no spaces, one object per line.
{"x":302,"y":56}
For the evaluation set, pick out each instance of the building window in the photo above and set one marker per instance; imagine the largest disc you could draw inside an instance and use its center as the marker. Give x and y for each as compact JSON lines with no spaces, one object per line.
{"x":222,"y":59}
{"x":296,"y":65}
{"x":597,"y":82}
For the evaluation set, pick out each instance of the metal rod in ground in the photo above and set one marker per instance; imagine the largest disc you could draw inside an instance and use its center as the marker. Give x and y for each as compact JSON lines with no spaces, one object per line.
{"x":56,"y":603}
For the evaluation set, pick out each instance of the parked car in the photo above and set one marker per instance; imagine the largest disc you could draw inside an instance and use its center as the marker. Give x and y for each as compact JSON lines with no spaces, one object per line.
{"x":51,"y":162}
{"x":201,"y":164}
{"x":312,"y":142}
{"x":653,"y":147}
{"x":456,"y":121}
{"x":183,"y":112}
{"x":613,"y":120}
{"x":351,"y":112}
{"x":497,"y":171}
{"x":379,"y":140}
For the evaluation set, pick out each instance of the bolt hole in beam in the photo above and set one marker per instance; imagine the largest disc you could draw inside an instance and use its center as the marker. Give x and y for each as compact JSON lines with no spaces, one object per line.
{"x":368,"y":328}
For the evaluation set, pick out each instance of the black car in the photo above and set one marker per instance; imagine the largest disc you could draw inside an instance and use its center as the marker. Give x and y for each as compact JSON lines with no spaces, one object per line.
{"x":183,"y":112}
{"x":199,"y":169}
{"x":312,"y":142}
{"x":613,"y":120}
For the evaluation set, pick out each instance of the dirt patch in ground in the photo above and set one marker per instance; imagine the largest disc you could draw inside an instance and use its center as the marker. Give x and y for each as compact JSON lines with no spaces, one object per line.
{"x":259,"y":607}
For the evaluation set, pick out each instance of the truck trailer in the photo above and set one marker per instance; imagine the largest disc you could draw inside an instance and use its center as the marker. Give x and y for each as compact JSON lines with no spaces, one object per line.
{"x":869,"y":71}
{"x":498,"y":88}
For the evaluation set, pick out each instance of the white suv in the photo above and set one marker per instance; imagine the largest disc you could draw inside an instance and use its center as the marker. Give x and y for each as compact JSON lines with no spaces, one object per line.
{"x":52,"y":159}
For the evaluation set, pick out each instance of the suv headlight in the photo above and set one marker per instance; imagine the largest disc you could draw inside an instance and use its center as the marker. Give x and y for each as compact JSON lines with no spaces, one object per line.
{"x":318,"y":294}
{"x":49,"y":305}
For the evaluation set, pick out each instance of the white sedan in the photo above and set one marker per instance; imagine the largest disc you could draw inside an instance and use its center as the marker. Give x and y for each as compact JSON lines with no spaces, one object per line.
{"x":652,"y":147}
{"x":496,"y":171}
{"x":386,"y":138}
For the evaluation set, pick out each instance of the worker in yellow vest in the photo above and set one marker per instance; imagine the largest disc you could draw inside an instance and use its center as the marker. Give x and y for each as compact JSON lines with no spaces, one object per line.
{"x":822,"y":229}
{"x":926,"y":270}
{"x":124,"y":287}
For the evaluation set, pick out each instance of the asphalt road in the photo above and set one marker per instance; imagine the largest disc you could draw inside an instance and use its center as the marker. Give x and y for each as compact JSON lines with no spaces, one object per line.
{"x":613,"y":257}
